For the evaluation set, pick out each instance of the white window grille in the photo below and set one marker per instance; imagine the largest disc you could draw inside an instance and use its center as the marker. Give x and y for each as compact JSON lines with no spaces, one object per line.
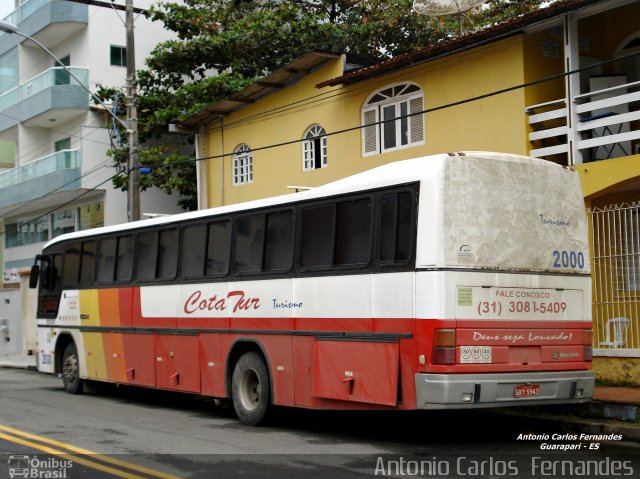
{"x":392,"y":118}
{"x":615,"y":273}
{"x":242,"y":165}
{"x":314,"y":148}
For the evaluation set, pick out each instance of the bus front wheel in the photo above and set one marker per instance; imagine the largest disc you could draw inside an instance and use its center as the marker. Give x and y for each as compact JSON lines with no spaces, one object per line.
{"x":71,"y":370}
{"x":250,"y":389}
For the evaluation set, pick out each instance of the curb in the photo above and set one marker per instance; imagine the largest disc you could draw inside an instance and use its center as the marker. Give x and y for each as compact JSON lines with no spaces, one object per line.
{"x":11,"y":365}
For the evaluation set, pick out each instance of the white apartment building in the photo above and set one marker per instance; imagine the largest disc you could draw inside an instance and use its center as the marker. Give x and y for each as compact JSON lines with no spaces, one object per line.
{"x":54,"y":171}
{"x":55,"y":175}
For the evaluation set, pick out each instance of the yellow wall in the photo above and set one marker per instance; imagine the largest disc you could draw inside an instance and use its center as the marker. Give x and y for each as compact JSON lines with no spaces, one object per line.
{"x":495,"y":123}
{"x":617,"y":371}
{"x":544,"y":54}
{"x":601,"y":177}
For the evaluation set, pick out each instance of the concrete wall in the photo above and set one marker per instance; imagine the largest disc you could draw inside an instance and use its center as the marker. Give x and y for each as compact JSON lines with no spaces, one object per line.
{"x":11,"y":329}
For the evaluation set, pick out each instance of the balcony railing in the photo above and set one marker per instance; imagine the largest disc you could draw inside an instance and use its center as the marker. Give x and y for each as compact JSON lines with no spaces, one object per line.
{"x":47,"y":79}
{"x":607,"y":125}
{"x":60,"y":160}
{"x":23,"y":11}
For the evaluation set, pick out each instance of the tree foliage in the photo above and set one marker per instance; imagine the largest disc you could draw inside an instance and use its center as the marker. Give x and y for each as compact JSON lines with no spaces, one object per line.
{"x":221,"y":46}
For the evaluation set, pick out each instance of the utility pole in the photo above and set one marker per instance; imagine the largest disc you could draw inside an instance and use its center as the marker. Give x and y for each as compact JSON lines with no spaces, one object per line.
{"x":133,"y":191}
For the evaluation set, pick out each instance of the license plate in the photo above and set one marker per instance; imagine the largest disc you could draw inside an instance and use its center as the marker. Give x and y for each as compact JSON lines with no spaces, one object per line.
{"x":526,"y":390}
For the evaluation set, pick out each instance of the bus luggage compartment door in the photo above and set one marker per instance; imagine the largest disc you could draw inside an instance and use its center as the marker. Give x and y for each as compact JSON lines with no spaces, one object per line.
{"x":359,"y":371}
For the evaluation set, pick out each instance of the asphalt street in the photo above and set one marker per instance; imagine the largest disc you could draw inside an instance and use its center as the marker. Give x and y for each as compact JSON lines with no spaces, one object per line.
{"x":127,"y":432}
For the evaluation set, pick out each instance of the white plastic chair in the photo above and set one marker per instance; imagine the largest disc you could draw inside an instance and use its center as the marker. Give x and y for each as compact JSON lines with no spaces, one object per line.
{"x":619,"y":327}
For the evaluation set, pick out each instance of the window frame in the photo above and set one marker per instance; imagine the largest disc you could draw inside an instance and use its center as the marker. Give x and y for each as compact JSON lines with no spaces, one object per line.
{"x":334,"y":204}
{"x":373,"y":124}
{"x":242,"y":165}
{"x":122,"y":54}
{"x":286,"y":247}
{"x":157,"y":239}
{"x":114,"y":273}
{"x":264,"y":216}
{"x":385,"y":264}
{"x":315,"y":133}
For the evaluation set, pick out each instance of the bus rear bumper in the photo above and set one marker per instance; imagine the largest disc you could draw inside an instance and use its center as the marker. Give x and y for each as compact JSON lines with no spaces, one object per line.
{"x":456,"y":391}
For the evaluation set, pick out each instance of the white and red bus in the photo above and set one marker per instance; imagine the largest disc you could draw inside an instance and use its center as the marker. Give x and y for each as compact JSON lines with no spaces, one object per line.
{"x":449,"y":281}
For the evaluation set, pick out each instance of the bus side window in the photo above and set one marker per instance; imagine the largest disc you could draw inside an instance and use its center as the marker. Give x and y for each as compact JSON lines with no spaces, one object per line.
{"x":124,"y":261}
{"x":146,"y":255}
{"x":249,"y":244}
{"x":353,"y":233}
{"x":71,"y":264}
{"x":106,"y":260}
{"x":218,"y":248}
{"x":395,"y":228}
{"x":87,"y":262}
{"x":193,"y":254}
{"x":167,"y":254}
{"x":317,"y":226}
{"x":278,"y":251}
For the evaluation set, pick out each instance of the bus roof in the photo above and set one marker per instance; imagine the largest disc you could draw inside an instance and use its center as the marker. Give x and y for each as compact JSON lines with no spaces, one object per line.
{"x":396,"y":173}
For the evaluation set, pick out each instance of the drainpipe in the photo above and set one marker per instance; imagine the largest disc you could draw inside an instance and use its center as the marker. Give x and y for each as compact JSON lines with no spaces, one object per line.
{"x":201,"y":171}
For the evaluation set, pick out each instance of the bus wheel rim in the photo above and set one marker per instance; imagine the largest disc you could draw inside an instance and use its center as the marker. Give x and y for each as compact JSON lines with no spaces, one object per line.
{"x":71,"y":368}
{"x":250,"y":389}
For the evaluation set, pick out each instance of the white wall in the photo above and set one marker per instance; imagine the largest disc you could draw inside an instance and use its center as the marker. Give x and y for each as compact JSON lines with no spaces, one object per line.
{"x":106,"y":28}
{"x":10,"y":321}
{"x":33,"y":143}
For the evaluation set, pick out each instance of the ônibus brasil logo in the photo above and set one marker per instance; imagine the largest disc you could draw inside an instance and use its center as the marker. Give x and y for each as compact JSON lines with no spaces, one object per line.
{"x":33,"y":467}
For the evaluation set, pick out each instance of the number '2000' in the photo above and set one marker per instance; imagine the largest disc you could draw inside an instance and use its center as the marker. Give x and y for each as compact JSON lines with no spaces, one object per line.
{"x":568,"y":259}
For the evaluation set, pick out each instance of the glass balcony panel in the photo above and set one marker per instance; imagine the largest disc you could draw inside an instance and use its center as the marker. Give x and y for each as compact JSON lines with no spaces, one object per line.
{"x":9,"y":98}
{"x":26,"y":9}
{"x":53,"y":76}
{"x":60,"y":160}
{"x":31,"y":6}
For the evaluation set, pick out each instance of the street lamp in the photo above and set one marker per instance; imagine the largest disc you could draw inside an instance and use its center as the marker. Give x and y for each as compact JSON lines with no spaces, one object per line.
{"x":133,"y":195}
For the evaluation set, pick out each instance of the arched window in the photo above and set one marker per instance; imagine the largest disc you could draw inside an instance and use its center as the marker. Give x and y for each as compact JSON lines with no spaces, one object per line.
{"x":242,"y":165}
{"x":314,"y":148}
{"x":630,"y":65}
{"x":397,"y":108}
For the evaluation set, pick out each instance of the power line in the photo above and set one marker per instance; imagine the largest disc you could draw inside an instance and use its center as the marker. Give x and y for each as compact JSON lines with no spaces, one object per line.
{"x":424,"y":111}
{"x":71,"y":201}
{"x":359,"y":127}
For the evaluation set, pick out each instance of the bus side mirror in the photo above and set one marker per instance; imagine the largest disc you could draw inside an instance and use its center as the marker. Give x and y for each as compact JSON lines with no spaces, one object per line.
{"x":34,"y":275}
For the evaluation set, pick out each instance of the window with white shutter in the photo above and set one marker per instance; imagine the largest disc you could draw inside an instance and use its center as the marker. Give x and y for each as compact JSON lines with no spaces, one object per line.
{"x":392,"y":119}
{"x":314,"y":148}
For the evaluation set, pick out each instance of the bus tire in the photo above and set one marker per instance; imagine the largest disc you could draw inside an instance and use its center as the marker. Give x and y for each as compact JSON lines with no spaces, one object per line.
{"x":71,"y":370}
{"x":250,"y":389}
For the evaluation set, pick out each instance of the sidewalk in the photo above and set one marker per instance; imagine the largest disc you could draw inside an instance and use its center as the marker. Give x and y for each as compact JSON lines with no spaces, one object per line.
{"x":617,"y":395}
{"x":18,"y":361}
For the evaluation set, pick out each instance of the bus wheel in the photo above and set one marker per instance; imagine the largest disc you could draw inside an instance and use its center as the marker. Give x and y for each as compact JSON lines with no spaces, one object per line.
{"x":71,"y":370}
{"x":250,"y":389}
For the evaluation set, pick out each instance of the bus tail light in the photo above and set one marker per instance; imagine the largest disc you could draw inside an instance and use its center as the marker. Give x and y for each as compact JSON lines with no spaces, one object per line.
{"x":588,"y":344}
{"x":444,"y":347}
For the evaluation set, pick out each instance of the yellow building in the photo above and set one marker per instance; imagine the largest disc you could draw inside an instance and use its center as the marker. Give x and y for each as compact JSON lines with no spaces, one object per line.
{"x":562,"y":83}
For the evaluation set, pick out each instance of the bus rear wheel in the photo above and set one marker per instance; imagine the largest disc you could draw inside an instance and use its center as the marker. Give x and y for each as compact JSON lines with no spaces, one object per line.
{"x":250,"y":389}
{"x":71,"y":370}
